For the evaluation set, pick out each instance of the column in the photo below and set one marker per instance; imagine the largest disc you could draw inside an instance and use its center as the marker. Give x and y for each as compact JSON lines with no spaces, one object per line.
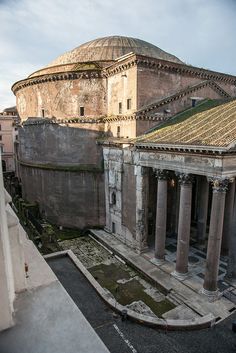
{"x":231,"y":268}
{"x":215,"y":236}
{"x":202,"y":209}
{"x":161,"y":216}
{"x":229,"y":204}
{"x":141,"y":207}
{"x":181,"y":269}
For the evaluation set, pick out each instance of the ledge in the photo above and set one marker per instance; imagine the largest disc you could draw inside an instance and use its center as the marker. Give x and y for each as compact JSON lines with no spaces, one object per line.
{"x":61,"y":168}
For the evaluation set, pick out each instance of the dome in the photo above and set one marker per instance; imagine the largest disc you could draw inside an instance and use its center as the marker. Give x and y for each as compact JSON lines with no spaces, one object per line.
{"x":111,"y":48}
{"x":105,"y":49}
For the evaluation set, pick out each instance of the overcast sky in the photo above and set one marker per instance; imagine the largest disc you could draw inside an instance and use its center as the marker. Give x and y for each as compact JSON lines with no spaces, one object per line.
{"x":34,"y":32}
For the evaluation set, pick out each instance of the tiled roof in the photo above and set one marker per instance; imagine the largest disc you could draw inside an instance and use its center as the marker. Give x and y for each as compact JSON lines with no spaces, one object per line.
{"x":215,"y":127}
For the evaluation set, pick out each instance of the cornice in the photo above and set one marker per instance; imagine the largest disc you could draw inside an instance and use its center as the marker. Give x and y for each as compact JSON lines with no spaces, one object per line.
{"x":60,"y":76}
{"x":158,"y":64}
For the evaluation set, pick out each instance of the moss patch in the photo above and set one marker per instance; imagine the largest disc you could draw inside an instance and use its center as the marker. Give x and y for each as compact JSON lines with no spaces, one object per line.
{"x":132,"y":290}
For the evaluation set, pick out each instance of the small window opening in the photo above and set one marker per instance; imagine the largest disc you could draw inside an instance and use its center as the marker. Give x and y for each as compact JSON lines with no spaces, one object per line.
{"x":81,"y":111}
{"x":120,"y":108}
{"x":43,"y":113}
{"x":128,"y":103}
{"x":118,"y":131}
{"x":113,"y":227}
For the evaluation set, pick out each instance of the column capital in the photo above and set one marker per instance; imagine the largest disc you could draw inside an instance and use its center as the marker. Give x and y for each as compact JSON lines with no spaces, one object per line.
{"x":160,"y":174}
{"x":220,"y":184}
{"x":184,"y":179}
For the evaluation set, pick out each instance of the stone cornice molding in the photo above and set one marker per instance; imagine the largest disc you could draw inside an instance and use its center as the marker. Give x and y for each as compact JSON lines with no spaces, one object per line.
{"x":158,"y":64}
{"x":60,"y":76}
{"x":134,"y":117}
{"x":119,"y":66}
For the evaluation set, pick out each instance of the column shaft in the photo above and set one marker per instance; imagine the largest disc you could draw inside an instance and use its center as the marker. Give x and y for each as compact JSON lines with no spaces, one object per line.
{"x":184,"y":228}
{"x":161,"y":215}
{"x":215,"y":236}
{"x":202,"y":208}
{"x":231,"y":269}
{"x":229,"y":204}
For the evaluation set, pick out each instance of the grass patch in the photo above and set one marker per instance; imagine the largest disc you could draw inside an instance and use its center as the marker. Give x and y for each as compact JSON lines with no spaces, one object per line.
{"x":126,"y":293}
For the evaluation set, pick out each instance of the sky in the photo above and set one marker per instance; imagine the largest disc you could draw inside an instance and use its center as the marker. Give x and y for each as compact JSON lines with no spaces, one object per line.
{"x":33,"y":33}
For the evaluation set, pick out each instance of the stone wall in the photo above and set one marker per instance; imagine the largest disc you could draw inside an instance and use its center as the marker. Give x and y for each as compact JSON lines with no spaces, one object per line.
{"x":62,"y":169}
{"x":70,"y":199}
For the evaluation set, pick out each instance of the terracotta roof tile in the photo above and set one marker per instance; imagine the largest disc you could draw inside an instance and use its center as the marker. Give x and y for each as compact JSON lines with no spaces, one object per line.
{"x":213,"y":127}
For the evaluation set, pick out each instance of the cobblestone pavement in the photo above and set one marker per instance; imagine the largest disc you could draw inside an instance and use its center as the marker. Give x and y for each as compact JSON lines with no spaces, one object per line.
{"x":125,"y":336}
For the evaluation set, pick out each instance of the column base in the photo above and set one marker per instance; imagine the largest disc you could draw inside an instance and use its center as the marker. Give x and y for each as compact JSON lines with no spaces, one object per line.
{"x":180,"y":276}
{"x":157,"y":262}
{"x":211,"y":295}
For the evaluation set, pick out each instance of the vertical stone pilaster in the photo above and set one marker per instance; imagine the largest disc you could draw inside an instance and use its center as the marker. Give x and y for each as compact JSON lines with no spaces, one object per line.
{"x":161,"y":215}
{"x":181,"y":269}
{"x":228,"y":214}
{"x":215,"y":236}
{"x":107,"y":196}
{"x":203,"y":197}
{"x":141,"y":207}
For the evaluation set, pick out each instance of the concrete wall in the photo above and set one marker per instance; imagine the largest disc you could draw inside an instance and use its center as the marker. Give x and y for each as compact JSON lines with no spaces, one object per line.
{"x":63,"y":99}
{"x":65,"y":167}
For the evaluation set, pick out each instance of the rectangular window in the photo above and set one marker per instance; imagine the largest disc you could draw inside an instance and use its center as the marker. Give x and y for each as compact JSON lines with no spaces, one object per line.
{"x":118,"y":131}
{"x":128,"y":103}
{"x":43,"y":113}
{"x":81,"y":111}
{"x":0,"y":137}
{"x":120,"y":108}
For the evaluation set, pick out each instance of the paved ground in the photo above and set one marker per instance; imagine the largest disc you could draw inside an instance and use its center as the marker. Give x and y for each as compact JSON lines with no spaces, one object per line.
{"x":188,"y":291}
{"x":126,"y":337}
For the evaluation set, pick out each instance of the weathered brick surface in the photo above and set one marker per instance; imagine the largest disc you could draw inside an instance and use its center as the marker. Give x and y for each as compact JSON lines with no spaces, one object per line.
{"x":63,"y":99}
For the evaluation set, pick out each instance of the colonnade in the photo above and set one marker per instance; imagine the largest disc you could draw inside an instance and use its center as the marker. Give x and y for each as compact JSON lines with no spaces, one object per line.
{"x":222,"y":220}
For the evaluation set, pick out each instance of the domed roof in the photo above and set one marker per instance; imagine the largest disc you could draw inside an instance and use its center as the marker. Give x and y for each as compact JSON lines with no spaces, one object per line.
{"x":111,"y":48}
{"x":104,"y":50}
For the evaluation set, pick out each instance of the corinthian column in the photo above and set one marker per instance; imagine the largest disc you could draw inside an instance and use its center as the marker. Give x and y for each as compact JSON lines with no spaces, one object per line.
{"x":181,"y":268}
{"x":215,"y":236}
{"x":161,"y":215}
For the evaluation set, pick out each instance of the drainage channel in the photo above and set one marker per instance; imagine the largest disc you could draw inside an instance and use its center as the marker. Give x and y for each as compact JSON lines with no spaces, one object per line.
{"x":126,"y":336}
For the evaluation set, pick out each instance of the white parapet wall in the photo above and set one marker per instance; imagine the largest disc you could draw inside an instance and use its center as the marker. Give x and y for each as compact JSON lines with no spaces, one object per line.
{"x":12,"y":263}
